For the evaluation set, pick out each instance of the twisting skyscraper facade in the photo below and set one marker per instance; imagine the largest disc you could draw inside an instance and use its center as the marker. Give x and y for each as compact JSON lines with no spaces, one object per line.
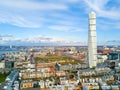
{"x":92,"y":43}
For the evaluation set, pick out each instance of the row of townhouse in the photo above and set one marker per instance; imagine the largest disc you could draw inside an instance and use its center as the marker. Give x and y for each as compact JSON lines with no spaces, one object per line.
{"x":27,"y":75}
{"x":65,"y":84}
{"x":26,"y":84}
{"x":36,"y":75}
{"x":45,"y":84}
{"x":60,"y":67}
{"x":91,"y":86}
{"x":39,"y":70}
{"x":96,"y":72}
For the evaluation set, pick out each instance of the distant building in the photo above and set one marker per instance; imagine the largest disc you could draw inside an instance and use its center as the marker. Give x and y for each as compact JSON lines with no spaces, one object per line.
{"x":57,"y":66}
{"x":13,"y":73}
{"x":2,"y":64}
{"x":105,"y":51}
{"x":10,"y":46}
{"x":25,"y":84}
{"x":114,"y":56}
{"x":92,"y":43}
{"x":1,"y":58}
{"x":11,"y":78}
{"x":9,"y":64}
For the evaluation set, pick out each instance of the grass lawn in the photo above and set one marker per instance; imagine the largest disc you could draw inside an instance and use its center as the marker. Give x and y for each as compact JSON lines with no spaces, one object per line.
{"x":3,"y":77}
{"x":57,"y":58}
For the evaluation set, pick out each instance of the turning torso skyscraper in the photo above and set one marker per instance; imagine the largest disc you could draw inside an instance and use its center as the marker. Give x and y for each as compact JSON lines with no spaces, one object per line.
{"x":92,"y":43}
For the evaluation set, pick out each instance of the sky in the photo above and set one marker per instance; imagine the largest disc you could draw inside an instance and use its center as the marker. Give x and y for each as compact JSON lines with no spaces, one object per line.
{"x":58,"y":22}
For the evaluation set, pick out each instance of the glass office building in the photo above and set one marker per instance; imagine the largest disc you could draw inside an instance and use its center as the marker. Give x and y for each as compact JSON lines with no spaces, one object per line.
{"x":114,"y":56}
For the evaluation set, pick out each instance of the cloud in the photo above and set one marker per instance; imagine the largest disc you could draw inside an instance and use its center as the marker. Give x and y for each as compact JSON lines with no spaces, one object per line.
{"x":16,"y":20}
{"x":6,"y":35}
{"x":51,"y":16}
{"x":102,"y":9}
{"x":118,"y":25}
{"x":65,"y":28}
{"x":32,"y":5}
{"x":35,"y":14}
{"x":46,"y":40}
{"x":112,"y":42}
{"x":61,"y":1}
{"x":27,"y":13}
{"x":107,"y":12}
{"x":116,"y":41}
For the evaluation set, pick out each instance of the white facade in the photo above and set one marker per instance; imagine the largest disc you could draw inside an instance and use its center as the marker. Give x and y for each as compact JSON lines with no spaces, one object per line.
{"x":2,"y":64}
{"x":92,"y":42}
{"x":42,"y":84}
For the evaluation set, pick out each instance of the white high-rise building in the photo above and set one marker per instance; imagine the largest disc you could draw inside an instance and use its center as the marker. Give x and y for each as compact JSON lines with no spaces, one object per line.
{"x":92,"y":42}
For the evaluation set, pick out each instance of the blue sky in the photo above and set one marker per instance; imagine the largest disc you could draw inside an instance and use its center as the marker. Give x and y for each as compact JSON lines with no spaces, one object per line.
{"x":57,"y":22}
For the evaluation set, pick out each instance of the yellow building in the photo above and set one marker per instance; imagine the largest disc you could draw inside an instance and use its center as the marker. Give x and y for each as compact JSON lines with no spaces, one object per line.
{"x":2,"y":64}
